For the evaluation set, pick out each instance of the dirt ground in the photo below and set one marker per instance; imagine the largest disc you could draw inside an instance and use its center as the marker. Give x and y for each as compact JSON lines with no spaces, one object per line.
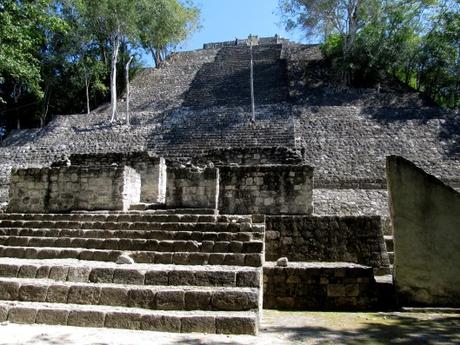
{"x":277,"y":328}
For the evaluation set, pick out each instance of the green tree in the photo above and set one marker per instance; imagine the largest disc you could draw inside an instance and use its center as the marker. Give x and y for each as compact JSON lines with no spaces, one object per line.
{"x":115,"y":20}
{"x":165,"y":23}
{"x":439,"y":59}
{"x":24,"y":27}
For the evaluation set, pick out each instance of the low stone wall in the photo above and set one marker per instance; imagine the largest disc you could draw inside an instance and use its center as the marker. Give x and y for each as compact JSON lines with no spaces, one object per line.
{"x":62,"y":189}
{"x":152,"y":170}
{"x":426,"y":223}
{"x":250,"y":156}
{"x":270,"y":189}
{"x":327,"y":238}
{"x":187,"y":187}
{"x":29,"y":190}
{"x":319,"y":286}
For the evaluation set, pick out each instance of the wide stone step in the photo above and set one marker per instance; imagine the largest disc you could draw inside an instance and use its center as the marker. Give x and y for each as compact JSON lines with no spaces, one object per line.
{"x":137,"y":274}
{"x":135,"y":244}
{"x":132,"y":296}
{"x":105,"y":216}
{"x":129,"y":318}
{"x":108,"y":225}
{"x":135,"y":234}
{"x":177,"y":258}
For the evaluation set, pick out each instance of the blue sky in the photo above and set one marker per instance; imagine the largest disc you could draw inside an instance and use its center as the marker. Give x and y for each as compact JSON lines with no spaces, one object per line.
{"x":225,"y":20}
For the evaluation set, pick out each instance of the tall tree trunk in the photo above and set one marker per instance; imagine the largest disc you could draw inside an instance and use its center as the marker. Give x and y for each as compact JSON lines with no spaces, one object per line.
{"x":156,"y":55}
{"x":127,"y":90}
{"x":113,"y":75}
{"x":87,"y":82}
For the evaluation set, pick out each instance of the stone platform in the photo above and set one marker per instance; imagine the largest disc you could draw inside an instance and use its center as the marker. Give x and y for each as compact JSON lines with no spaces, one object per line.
{"x":193,"y":273}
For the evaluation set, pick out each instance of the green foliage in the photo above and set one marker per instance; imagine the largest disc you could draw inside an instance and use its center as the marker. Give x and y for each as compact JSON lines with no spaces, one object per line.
{"x":55,"y":56}
{"x":23,"y":29}
{"x":165,"y":23}
{"x":416,"y":41}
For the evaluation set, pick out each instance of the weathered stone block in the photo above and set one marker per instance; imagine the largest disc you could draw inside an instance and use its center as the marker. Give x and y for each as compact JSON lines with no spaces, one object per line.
{"x":125,"y":276}
{"x":156,"y":278}
{"x":57,"y":293}
{"x":86,"y":318}
{"x":3,"y":313}
{"x":52,"y":316}
{"x":78,"y":274}
{"x":101,"y":275}
{"x":248,"y":278}
{"x":141,"y":298}
{"x":235,"y":325}
{"x":161,"y":323}
{"x":33,"y":293}
{"x":27,"y":271}
{"x":115,"y":296}
{"x":197,"y":300}
{"x":170,"y":300}
{"x":9,"y":291}
{"x":123,"y":320}
{"x":84,"y":295}
{"x":200,"y":324}
{"x":22,"y":315}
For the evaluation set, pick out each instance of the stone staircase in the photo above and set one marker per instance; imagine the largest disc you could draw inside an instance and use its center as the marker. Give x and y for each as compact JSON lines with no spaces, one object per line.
{"x":192,"y":272}
{"x":225,"y":81}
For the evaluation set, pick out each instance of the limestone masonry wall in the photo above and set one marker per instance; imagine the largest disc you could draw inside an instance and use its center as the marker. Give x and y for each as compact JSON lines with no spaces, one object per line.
{"x":275,"y":189}
{"x":62,"y":189}
{"x":152,"y":170}
{"x":319,"y":286}
{"x":186,"y":187}
{"x":29,"y":189}
{"x":327,"y":238}
{"x":250,"y":156}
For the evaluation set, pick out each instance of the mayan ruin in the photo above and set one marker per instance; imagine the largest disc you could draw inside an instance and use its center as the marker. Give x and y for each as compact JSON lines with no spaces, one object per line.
{"x":245,"y":180}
